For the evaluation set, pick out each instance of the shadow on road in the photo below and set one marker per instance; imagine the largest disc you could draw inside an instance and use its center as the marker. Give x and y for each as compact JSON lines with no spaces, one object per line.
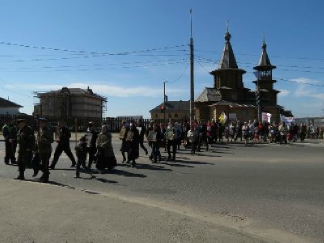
{"x":152,"y":167}
{"x":175,"y":164}
{"x":126,"y":173}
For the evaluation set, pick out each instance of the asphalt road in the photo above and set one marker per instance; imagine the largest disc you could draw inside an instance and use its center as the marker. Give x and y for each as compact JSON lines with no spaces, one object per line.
{"x":269,"y":190}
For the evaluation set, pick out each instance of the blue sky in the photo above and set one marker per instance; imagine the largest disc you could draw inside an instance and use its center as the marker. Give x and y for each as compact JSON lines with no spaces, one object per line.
{"x":125,"y":49}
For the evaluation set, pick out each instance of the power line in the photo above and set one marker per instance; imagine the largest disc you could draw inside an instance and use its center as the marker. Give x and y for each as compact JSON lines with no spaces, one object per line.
{"x":64,"y":68}
{"x":91,"y":52}
{"x":272,"y":56}
{"x":300,"y":82}
{"x":285,"y":80}
{"x":88,"y":57}
{"x":181,"y":75}
{"x":251,"y":65}
{"x":15,"y":92}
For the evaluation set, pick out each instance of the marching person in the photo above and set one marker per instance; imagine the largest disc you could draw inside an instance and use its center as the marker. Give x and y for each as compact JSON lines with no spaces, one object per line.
{"x":44,"y":144}
{"x":245,"y":132}
{"x":154,"y":138}
{"x":63,"y":144}
{"x":81,"y":153}
{"x":141,"y":136}
{"x":193,"y":136}
{"x":132,"y":139}
{"x":163,"y":136}
{"x":149,"y":132}
{"x":202,"y":128}
{"x":26,"y":142}
{"x":303,"y":132}
{"x":91,"y":135}
{"x":124,"y":145}
{"x":105,"y":155}
{"x":283,"y":133}
{"x":9,"y":131}
{"x":171,"y":139}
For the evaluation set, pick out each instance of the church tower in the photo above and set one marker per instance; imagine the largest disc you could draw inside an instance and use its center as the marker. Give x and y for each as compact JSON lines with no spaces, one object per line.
{"x":228,"y":78}
{"x":264,"y":83}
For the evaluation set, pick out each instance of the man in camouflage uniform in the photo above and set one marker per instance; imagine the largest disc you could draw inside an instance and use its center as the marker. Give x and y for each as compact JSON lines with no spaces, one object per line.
{"x":26,"y":141}
{"x":9,"y":131}
{"x":44,"y":147}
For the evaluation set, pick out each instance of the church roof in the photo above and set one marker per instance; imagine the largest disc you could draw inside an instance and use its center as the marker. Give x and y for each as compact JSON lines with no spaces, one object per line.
{"x":8,"y":103}
{"x":174,"y":106}
{"x":234,"y":104}
{"x":264,"y":61}
{"x":209,"y":95}
{"x":228,"y":59}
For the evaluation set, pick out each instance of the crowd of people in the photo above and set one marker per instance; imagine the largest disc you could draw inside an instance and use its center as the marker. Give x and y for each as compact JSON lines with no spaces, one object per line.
{"x":95,"y":147}
{"x":34,"y":148}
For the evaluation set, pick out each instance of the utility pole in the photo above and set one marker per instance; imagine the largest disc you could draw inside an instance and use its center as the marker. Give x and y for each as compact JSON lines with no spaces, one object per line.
{"x":192,"y":115}
{"x":164,"y":103}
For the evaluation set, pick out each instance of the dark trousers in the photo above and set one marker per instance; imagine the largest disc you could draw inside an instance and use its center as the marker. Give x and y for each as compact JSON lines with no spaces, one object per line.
{"x":10,"y":152}
{"x":141,"y":143}
{"x":283,"y":139}
{"x":81,"y":161}
{"x":24,"y":158}
{"x":44,"y":159}
{"x":58,"y":151}
{"x":155,"y":152}
{"x":173,"y":144}
{"x":202,"y":139}
{"x":92,"y":156}
{"x":193,"y":146}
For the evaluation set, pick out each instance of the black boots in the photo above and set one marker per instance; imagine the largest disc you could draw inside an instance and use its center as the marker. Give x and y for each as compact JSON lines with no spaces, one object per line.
{"x":44,"y":177}
{"x":21,"y":169}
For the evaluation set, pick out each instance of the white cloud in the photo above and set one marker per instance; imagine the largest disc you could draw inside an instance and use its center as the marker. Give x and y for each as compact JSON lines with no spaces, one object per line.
{"x":307,"y":88}
{"x":284,"y":92}
{"x":112,"y":89}
{"x":306,"y":81}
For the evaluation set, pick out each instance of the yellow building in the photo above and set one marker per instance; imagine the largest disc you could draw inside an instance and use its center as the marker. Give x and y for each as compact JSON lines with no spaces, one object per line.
{"x":174,"y":110}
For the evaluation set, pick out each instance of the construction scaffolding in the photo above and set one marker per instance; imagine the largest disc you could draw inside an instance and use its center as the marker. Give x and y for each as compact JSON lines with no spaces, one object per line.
{"x":70,"y":104}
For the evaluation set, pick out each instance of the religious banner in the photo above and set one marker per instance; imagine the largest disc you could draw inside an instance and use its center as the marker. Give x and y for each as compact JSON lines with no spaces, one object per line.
{"x":287,"y":119}
{"x":266,"y":117}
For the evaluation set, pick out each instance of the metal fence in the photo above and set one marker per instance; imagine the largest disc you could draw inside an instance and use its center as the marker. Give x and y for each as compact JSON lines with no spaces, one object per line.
{"x":316,"y":121}
{"x":78,"y":124}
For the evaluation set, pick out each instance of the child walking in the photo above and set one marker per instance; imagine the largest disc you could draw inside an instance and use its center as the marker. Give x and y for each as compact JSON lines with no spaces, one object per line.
{"x":81,"y":153}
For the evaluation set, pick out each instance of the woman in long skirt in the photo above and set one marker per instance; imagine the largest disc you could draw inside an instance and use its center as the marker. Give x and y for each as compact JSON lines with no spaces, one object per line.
{"x":105,"y":155}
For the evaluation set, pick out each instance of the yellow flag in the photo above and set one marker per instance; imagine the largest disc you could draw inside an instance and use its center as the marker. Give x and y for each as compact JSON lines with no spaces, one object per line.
{"x":223,"y":118}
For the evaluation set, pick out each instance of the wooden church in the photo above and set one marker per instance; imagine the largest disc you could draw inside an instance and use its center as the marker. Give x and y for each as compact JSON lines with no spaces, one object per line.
{"x":230,"y":96}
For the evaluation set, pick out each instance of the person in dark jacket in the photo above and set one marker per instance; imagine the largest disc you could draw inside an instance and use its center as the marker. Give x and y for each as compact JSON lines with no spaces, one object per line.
{"x":44,"y":147}
{"x":142,"y":133}
{"x":26,"y":141}
{"x":132,"y":139}
{"x":63,"y":144}
{"x":9,"y":132}
{"x":105,"y":156}
{"x":202,"y":129}
{"x":154,"y":138}
{"x":81,"y":153}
